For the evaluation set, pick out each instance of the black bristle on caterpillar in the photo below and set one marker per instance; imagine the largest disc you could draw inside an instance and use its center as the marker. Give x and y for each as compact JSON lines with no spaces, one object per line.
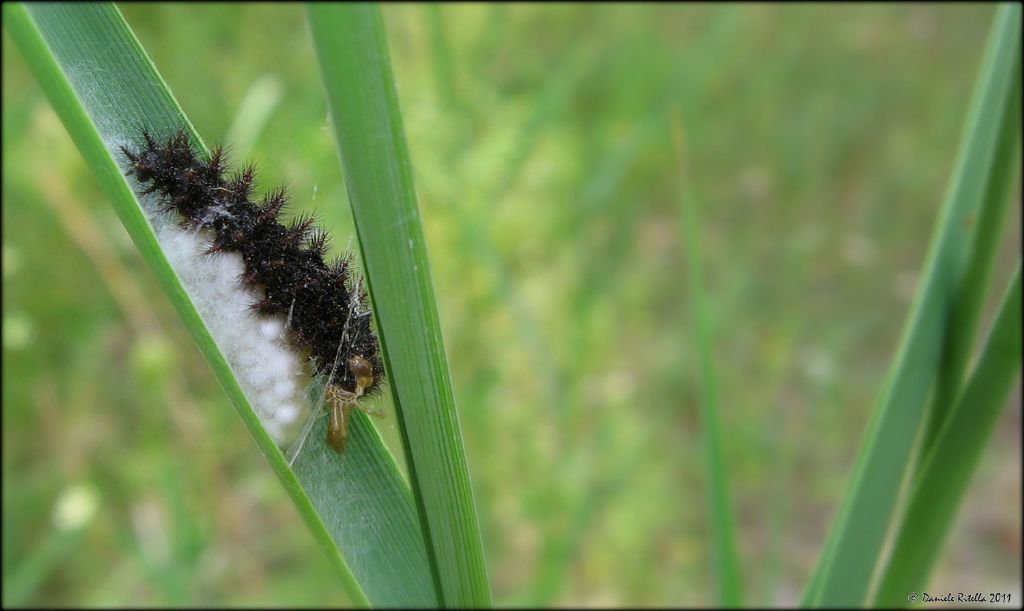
{"x":284,"y":262}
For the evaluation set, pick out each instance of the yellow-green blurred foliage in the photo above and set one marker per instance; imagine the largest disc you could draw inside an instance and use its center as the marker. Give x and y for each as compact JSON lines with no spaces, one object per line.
{"x":820,"y":139}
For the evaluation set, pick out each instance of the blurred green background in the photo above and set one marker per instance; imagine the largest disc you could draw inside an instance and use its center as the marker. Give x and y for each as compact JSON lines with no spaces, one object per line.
{"x":819,"y":140}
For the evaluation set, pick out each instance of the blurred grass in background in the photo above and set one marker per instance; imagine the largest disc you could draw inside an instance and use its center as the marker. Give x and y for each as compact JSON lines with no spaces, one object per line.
{"x":819,"y":139}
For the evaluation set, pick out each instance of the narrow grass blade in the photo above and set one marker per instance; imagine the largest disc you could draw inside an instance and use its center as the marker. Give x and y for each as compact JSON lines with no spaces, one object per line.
{"x":352,"y":49}
{"x":947,"y":467}
{"x":727,"y":571}
{"x":105,"y":88}
{"x":855,"y":542}
{"x":441,"y":54}
{"x":965,"y":311}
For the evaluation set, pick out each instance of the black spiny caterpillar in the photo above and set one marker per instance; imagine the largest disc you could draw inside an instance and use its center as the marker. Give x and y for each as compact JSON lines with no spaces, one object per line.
{"x":284,"y":262}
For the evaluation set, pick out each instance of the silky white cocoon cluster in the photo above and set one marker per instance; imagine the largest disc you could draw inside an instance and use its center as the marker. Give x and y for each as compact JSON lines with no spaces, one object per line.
{"x":269,"y":371}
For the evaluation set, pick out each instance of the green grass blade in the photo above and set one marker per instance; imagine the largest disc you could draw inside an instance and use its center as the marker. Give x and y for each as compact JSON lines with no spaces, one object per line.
{"x":965,"y":312}
{"x":947,"y":467}
{"x":351,"y":45}
{"x":855,"y":542}
{"x":441,"y":54}
{"x":104,"y":88}
{"x":727,"y":571}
